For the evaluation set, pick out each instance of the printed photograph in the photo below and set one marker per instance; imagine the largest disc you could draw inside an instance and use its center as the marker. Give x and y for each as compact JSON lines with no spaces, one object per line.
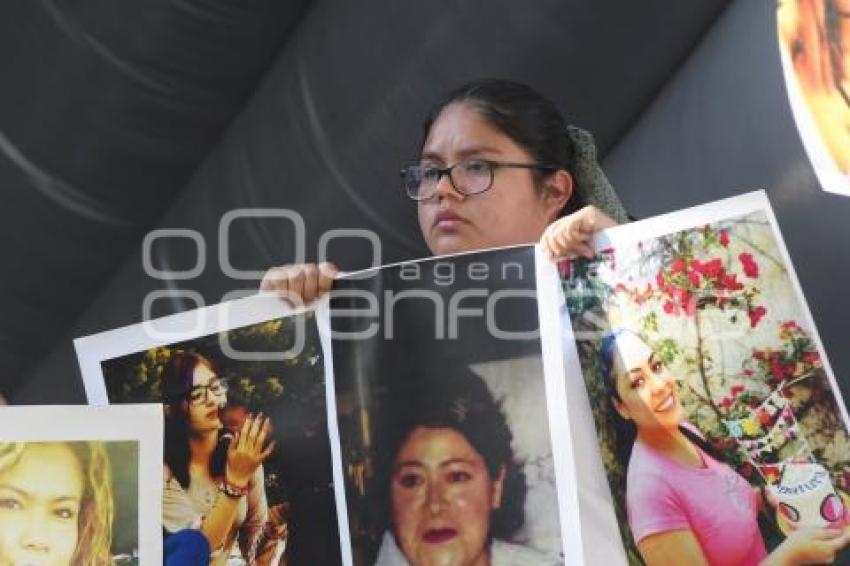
{"x":244,"y":426}
{"x":814,"y":44}
{"x":722,"y":431}
{"x":72,"y":502}
{"x":70,"y":494}
{"x":447,"y":455}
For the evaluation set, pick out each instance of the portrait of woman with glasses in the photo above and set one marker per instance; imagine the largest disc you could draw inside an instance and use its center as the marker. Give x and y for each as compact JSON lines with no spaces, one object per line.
{"x":213,"y":476}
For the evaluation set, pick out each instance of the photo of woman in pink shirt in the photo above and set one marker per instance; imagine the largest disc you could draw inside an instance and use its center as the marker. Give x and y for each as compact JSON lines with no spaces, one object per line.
{"x":683,"y":505}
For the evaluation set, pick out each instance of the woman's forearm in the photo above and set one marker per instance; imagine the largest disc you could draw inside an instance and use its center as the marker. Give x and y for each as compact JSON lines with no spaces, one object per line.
{"x":217,"y":524}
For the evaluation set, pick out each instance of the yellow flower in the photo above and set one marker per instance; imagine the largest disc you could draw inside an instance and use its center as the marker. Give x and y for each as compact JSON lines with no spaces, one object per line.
{"x":750,"y":426}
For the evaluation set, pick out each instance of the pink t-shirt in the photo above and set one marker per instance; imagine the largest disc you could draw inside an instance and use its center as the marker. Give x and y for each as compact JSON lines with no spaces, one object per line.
{"x":714,"y":502}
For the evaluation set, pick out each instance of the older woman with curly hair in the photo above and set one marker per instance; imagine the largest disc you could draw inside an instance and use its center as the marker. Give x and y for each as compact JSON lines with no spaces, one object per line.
{"x":56,"y":504}
{"x":450,"y":490}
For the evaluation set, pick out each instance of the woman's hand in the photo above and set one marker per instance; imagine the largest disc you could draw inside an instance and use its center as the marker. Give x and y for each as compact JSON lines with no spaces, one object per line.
{"x":248,"y":450}
{"x":300,"y":283}
{"x":570,"y":236}
{"x":809,"y":546}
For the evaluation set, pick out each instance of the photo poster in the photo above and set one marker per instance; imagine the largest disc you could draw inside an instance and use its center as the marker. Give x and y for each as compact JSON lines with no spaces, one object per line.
{"x":698,"y":317}
{"x":451,"y":419}
{"x":265,"y":358}
{"x":814,"y":47}
{"x":72,"y":480}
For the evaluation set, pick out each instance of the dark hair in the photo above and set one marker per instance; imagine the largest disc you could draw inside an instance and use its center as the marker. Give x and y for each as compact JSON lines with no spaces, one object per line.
{"x":530,"y":119}
{"x":177,"y":381}
{"x":625,"y":431}
{"x":462,"y":402}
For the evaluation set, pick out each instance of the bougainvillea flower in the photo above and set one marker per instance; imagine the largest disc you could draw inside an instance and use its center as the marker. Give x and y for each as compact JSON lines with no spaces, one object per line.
{"x":751,"y":268}
{"x":712,"y":269}
{"x":756,"y":315}
{"x":812,"y":358}
{"x":731,"y":283}
{"x":693,"y":278}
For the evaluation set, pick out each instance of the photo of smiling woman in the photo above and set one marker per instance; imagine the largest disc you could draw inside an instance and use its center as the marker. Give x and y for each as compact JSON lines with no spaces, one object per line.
{"x":56,"y":503}
{"x":682,"y":503}
{"x":448,"y":487}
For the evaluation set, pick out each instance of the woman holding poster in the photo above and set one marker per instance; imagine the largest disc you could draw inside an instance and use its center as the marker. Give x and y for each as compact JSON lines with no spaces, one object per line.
{"x":682,"y":502}
{"x":499,"y":166}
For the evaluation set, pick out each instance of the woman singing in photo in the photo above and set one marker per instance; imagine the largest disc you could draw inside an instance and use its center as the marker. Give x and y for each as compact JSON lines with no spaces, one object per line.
{"x":213,"y":477}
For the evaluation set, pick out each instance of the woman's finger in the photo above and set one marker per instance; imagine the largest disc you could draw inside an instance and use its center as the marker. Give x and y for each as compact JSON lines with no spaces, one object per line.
{"x":572,"y":235}
{"x":586,"y":225}
{"x":598,"y":220}
{"x":311,"y":282}
{"x":548,"y":241}
{"x":269,"y":449}
{"x":296,"y":286}
{"x":327,"y":273}
{"x":585,"y":250}
{"x":254,"y":431}
{"x":275,"y":279}
{"x":262,"y":435}
{"x":242,"y":436}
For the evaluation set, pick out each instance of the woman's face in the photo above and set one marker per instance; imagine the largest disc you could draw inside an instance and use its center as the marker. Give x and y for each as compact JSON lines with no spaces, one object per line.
{"x":648,"y":393}
{"x":204,"y":402}
{"x":511,"y":212}
{"x":40,"y":504}
{"x":442,"y":499}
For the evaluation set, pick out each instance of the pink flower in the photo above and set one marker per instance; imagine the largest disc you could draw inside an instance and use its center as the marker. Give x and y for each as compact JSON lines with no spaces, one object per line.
{"x":724,"y":238}
{"x":751,"y":268}
{"x":736,"y":390}
{"x":810,"y":358}
{"x":756,"y":315}
{"x":731,"y":282}
{"x":711,"y":269}
{"x":678,"y":265}
{"x":694,"y":279}
{"x":669,"y":307}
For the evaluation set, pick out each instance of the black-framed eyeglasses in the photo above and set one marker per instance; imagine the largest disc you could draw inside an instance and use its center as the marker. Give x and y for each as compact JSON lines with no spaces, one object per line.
{"x":468,"y":177}
{"x":198,"y":393}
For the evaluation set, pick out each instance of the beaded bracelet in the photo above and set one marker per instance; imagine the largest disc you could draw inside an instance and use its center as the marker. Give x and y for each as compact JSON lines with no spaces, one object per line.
{"x":231,"y":490}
